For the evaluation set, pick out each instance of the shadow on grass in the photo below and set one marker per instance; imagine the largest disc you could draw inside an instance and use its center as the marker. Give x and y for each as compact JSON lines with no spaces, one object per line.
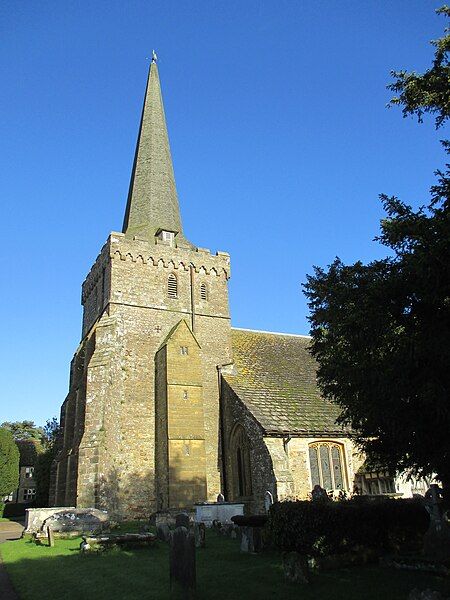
{"x":223,"y":573}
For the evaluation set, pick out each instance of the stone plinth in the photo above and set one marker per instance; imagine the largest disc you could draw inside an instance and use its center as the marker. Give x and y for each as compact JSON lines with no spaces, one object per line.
{"x":65,"y":519}
{"x":35,"y":517}
{"x":207,"y":512}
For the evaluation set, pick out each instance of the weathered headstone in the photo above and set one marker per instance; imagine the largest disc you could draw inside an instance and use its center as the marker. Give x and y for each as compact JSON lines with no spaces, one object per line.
{"x":251,"y":539}
{"x":295,"y":567}
{"x":182,"y":563}
{"x":50,"y":537}
{"x":84,"y":546}
{"x":436,"y":541}
{"x":268,"y":500}
{"x":182,"y":520}
{"x":220,"y":498}
{"x":200,"y":535}
{"x":318,"y":494}
{"x":163,"y":532}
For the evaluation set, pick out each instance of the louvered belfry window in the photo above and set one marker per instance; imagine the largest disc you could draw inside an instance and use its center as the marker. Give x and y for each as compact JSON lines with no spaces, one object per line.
{"x":172,"y":286}
{"x":203,"y":292}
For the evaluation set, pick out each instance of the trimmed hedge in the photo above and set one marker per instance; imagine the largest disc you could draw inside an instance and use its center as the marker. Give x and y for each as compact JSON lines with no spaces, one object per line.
{"x":250,"y":520}
{"x":324,"y":528}
{"x":13,"y":510}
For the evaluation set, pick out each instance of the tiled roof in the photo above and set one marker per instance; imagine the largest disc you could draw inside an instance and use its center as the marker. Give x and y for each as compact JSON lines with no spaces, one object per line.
{"x":276,"y":379}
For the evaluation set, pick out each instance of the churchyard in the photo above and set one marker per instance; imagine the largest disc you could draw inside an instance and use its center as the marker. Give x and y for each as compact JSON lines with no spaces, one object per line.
{"x":223,"y":572}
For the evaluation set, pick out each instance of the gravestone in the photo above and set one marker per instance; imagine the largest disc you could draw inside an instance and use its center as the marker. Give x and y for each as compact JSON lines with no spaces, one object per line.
{"x":163,"y":532}
{"x":84,"y":546}
{"x":251,"y":539}
{"x":436,"y":541}
{"x":182,"y":568}
{"x":200,"y":535}
{"x":182,"y":520}
{"x":318,"y":494}
{"x":268,"y":501}
{"x":50,"y":537}
{"x":220,"y":498}
{"x":295,"y":567}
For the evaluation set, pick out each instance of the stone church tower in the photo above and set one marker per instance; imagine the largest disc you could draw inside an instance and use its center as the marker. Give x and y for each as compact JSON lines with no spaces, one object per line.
{"x":141,"y":419}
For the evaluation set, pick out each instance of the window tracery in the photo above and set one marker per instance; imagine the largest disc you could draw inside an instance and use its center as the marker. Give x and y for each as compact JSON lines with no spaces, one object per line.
{"x":327,"y":465}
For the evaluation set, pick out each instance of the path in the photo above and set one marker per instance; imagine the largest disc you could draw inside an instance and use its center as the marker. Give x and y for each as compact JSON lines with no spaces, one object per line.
{"x":9,"y":530}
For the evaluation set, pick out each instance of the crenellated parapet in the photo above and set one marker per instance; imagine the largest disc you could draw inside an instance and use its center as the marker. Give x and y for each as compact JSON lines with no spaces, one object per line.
{"x":119,"y":247}
{"x":95,"y":275}
{"x":165,"y":255}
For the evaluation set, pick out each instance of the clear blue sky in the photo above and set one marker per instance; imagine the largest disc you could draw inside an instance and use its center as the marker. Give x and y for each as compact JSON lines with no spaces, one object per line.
{"x":280,"y":138}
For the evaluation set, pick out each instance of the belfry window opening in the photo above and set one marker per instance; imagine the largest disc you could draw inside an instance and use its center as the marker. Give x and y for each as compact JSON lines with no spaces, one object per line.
{"x":172,"y":286}
{"x":203,"y":292}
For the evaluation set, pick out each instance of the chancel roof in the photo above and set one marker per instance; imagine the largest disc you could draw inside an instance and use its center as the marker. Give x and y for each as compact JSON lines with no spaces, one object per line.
{"x":275,"y":377}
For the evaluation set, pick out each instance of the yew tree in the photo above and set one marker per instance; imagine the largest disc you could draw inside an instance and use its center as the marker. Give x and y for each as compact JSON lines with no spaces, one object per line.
{"x":381,"y":331}
{"x":9,"y":464}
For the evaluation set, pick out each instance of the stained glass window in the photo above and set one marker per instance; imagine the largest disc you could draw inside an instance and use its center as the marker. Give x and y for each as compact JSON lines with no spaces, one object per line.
{"x":314,"y":465}
{"x":326,"y":465}
{"x":337,"y":467}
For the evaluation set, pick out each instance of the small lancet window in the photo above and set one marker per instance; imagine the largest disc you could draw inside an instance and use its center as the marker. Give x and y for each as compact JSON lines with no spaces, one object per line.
{"x":203,"y":292}
{"x":172,"y":286}
{"x":184,"y":350}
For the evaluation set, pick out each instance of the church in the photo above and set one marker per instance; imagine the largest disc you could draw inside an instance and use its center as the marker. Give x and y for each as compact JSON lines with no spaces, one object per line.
{"x":168,"y":404}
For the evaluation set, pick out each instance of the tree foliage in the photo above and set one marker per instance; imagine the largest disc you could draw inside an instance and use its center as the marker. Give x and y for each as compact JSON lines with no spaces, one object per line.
{"x":380,"y":331}
{"x":9,"y":463}
{"x":24,"y":430}
{"x":430,"y":91}
{"x":45,"y":461}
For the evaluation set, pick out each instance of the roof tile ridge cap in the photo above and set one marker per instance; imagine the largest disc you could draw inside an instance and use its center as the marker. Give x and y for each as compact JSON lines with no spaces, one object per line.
{"x":280,"y":333}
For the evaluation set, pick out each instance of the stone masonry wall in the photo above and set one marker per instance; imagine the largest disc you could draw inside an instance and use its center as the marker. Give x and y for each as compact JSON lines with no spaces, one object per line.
{"x":262,"y":474}
{"x":279,"y":464}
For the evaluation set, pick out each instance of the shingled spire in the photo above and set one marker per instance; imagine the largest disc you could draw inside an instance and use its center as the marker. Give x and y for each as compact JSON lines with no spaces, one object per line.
{"x":152,"y":203}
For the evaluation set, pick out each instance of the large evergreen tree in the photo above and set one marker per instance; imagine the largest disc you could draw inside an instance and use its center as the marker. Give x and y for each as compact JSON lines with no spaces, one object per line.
{"x":24,"y":430}
{"x":44,"y":462}
{"x":9,"y":463}
{"x":381,"y":331}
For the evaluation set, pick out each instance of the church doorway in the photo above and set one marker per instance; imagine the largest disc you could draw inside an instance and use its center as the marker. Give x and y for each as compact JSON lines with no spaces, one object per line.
{"x":240,"y":448}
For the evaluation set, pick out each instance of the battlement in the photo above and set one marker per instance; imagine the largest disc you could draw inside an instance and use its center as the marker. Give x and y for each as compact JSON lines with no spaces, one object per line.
{"x":119,"y":247}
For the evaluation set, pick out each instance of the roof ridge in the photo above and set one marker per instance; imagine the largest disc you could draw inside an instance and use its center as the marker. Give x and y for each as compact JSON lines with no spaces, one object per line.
{"x":299,"y":335}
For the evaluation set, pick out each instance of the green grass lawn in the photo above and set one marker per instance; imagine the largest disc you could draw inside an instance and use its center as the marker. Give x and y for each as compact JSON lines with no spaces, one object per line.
{"x":223,"y":573}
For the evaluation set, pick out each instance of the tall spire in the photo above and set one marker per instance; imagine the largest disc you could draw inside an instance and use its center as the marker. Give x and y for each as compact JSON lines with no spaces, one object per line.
{"x":152,"y":203}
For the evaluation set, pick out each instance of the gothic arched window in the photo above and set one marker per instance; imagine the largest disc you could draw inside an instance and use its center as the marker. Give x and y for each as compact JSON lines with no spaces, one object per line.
{"x":172,"y":286}
{"x":327,"y":465}
{"x":203,"y":292}
{"x":241,"y":465}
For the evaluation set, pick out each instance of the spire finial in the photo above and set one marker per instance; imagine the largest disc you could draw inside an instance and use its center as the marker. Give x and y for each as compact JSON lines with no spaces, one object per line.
{"x":154,"y":57}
